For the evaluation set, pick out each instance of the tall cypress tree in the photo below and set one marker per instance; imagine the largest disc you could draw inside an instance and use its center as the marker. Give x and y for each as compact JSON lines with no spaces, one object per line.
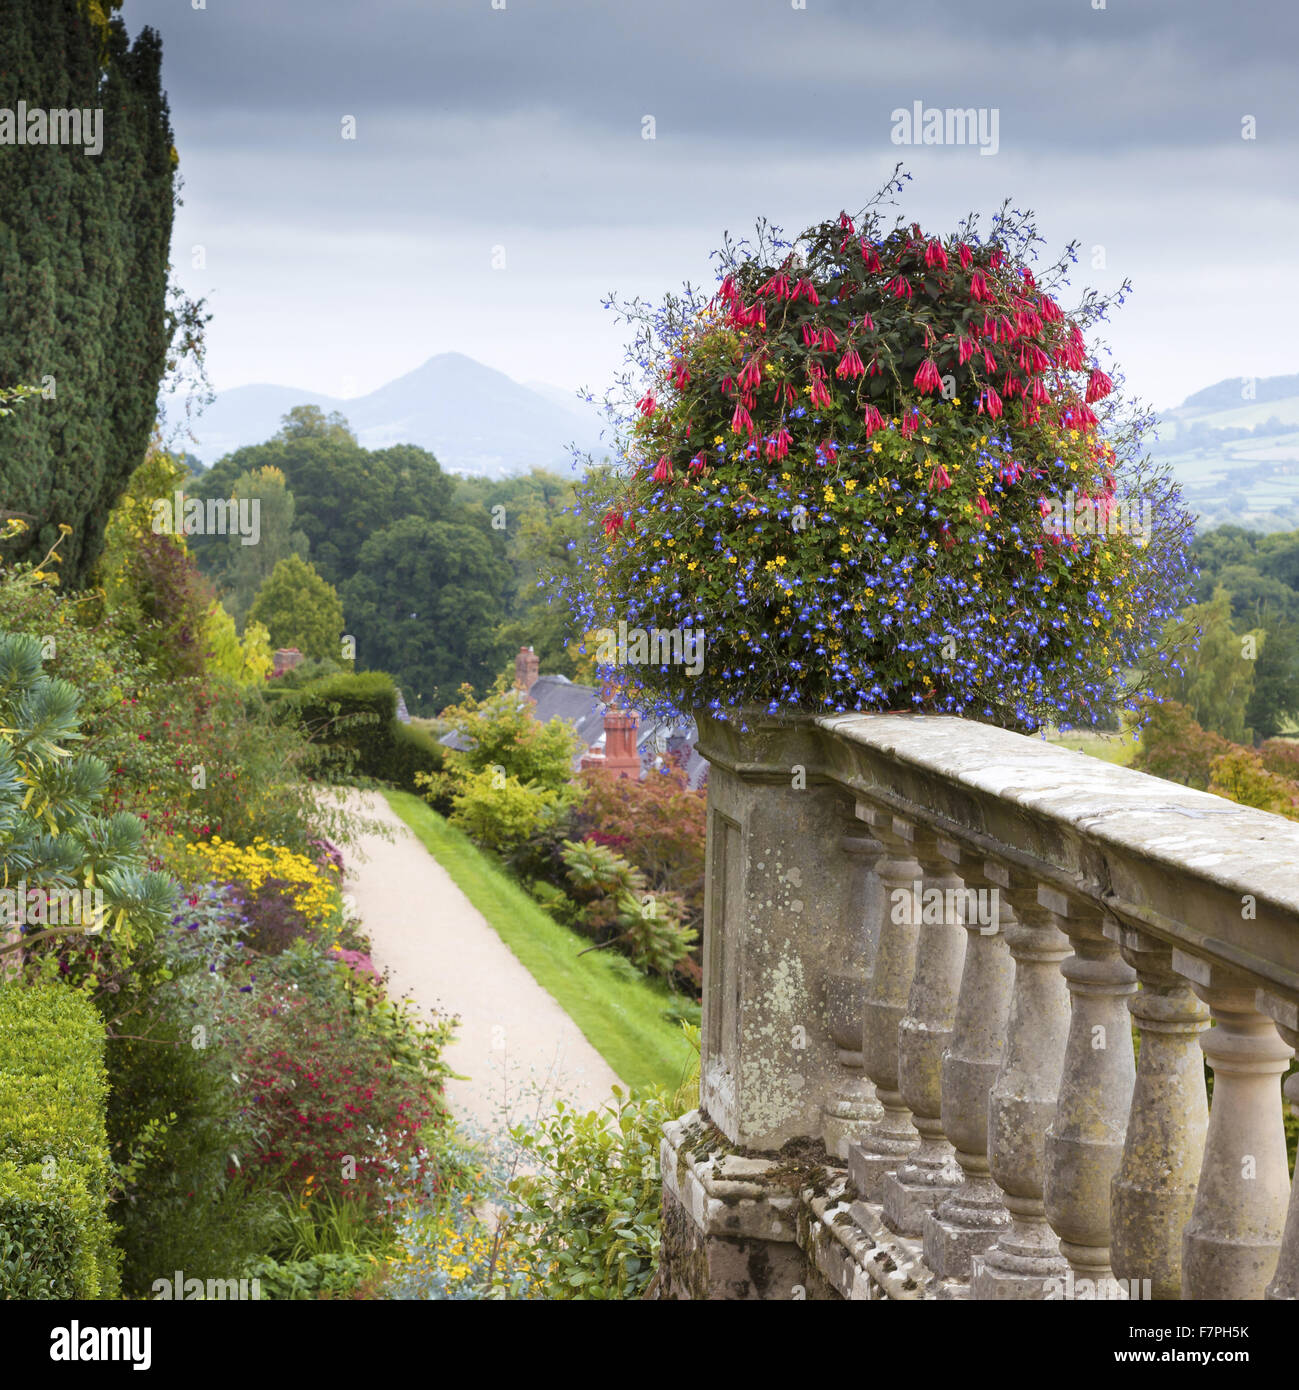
{"x":84,"y":245}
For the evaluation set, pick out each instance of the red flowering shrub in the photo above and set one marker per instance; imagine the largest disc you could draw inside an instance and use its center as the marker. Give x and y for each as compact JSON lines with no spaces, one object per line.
{"x":658,"y":824}
{"x":339,"y":1107}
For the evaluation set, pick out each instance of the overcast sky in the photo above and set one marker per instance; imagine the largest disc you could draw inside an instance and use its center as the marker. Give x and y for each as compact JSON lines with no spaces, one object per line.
{"x":336,"y":265}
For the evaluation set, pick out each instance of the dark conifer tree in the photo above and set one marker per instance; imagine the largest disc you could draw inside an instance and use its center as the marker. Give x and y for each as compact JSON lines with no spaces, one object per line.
{"x":84,"y":242}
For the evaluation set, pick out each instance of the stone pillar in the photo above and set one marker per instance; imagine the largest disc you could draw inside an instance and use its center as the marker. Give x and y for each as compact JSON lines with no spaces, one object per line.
{"x":1285,"y":1283}
{"x":852,"y":1106}
{"x":930,"y":1173}
{"x":1084,"y":1144}
{"x":1154,"y":1189}
{"x":1025,"y":1263}
{"x":1232,"y":1242}
{"x":973,"y":1216}
{"x":890,"y":1139}
{"x":778,"y":919}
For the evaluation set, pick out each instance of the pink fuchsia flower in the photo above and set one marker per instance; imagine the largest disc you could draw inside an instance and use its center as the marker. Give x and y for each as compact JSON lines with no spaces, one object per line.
{"x":966,"y":255}
{"x":872,"y":420}
{"x":680,"y":376}
{"x":990,"y":401}
{"x":964,"y":350}
{"x":663,"y":470}
{"x":850,"y":365}
{"x":818,"y":394}
{"x":910,"y":423}
{"x":778,"y":446}
{"x":1098,"y":386}
{"x":939,"y":479}
{"x":828,"y":340}
{"x":750,"y":377}
{"x":979,"y":288}
{"x":935,"y":255}
{"x":777,"y":285}
{"x":741,"y":421}
{"x":927,"y":378}
{"x":1079,"y":417}
{"x":867,"y":323}
{"x":647,"y":404}
{"x":811,"y":335}
{"x":984,"y":505}
{"x":613,"y":523}
{"x":997,"y":259}
{"x":1011,"y":471}
{"x":900,"y":286}
{"x":807,"y":290}
{"x":1049,"y":309}
{"x":871,"y":256}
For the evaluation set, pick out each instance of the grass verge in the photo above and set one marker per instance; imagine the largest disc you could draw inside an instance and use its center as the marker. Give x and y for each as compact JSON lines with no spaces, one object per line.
{"x":622,"y":1018}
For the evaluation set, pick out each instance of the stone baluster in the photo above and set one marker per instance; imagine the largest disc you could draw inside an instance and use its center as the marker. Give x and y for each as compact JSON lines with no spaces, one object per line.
{"x":852,"y":1106}
{"x":891,"y":1138}
{"x":1025,"y":1263}
{"x":1232,"y":1242}
{"x":973,"y":1215}
{"x":930,"y":1173}
{"x":1084,"y":1144}
{"x":1154,"y":1189}
{"x":1285,"y":1283}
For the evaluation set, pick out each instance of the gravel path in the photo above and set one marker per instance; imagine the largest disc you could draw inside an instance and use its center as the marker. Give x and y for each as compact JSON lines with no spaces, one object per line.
{"x":515,"y":1044}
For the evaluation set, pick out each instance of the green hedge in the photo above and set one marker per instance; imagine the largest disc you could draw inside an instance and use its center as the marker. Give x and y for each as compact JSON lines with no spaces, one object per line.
{"x":55,"y":1237}
{"x":352,"y":720}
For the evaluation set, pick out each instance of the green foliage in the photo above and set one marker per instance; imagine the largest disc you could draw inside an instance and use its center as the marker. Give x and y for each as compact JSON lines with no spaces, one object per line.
{"x":351,"y":721}
{"x":55,"y":1176}
{"x":300,"y":609}
{"x":502,"y":732}
{"x":327,"y":1275}
{"x":1274,"y":700}
{"x":240,"y":570}
{"x":590,"y":1214}
{"x":618,"y":908}
{"x":84,"y":242}
{"x":510,"y":780}
{"x":500,"y":812}
{"x":52,"y":838}
{"x":1218,"y":679}
{"x":1240,"y":776}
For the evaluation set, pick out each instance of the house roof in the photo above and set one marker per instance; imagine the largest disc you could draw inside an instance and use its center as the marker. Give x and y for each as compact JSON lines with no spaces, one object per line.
{"x":557,"y":697}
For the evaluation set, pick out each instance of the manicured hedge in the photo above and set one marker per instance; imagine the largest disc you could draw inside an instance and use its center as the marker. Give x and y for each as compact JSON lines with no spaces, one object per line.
{"x":353,"y":721}
{"x":55,"y":1237}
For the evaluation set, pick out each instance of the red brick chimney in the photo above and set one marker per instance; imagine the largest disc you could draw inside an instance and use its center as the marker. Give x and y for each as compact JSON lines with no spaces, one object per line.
{"x":527,"y":667}
{"x":620,"y":755}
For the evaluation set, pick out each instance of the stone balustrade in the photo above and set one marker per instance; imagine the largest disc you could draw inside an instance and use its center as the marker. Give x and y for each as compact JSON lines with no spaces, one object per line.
{"x":960,"y":987}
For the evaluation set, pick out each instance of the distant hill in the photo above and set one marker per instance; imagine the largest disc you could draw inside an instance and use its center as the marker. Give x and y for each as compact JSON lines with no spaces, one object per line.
{"x":1234,"y":447}
{"x":475,"y":419}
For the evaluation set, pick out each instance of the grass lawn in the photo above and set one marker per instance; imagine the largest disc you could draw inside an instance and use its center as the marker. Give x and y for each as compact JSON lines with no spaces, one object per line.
{"x":621,"y":1017}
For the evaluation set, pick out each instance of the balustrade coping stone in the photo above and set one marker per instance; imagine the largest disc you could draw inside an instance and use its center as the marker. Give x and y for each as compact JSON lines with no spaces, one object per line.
{"x":1183,"y":864}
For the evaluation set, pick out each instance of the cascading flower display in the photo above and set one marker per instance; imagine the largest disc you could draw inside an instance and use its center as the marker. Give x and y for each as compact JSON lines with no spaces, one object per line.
{"x":848,"y":479}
